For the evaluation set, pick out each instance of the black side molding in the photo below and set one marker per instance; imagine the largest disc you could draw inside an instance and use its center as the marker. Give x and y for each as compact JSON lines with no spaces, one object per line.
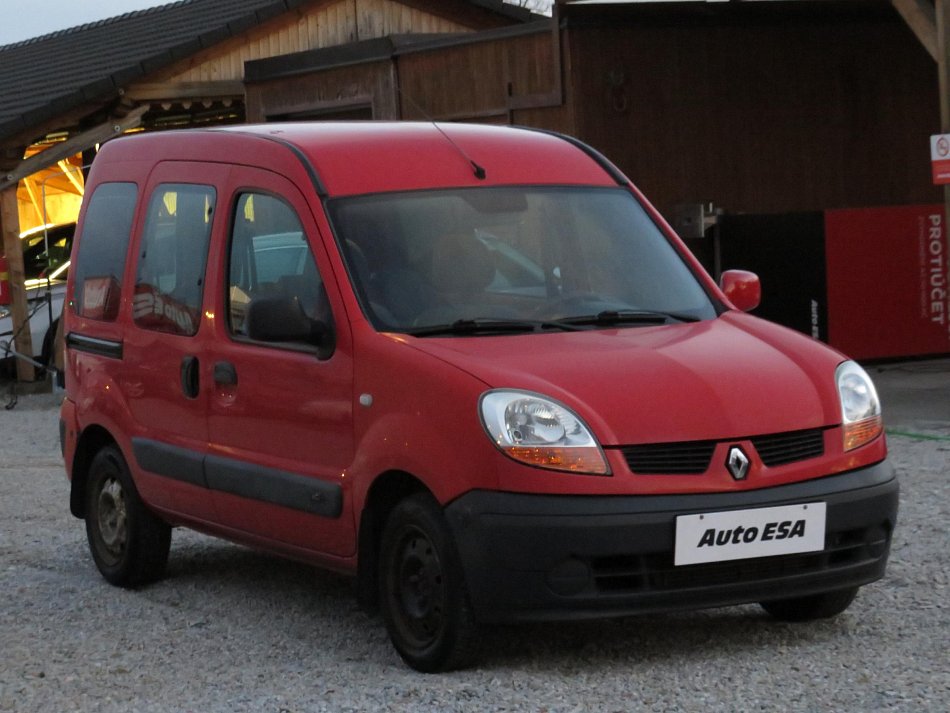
{"x":236,"y":477}
{"x":94,"y":345}
{"x":170,"y":461}
{"x":277,"y":487}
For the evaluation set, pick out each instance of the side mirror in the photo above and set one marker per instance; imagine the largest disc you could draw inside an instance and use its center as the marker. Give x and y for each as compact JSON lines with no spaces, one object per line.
{"x":742,"y":288}
{"x":277,"y":319}
{"x":282,"y":319}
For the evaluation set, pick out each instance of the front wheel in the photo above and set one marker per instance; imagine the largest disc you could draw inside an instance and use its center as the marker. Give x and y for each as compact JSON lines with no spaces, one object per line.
{"x":129,"y":544}
{"x":811,"y":607}
{"x":422,"y":589}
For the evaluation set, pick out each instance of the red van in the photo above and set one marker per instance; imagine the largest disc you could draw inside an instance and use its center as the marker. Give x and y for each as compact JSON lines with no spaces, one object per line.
{"x":470,"y":366}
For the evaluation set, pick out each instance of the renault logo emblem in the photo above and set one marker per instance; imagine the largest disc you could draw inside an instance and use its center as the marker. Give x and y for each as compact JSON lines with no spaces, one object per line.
{"x":737,"y":463}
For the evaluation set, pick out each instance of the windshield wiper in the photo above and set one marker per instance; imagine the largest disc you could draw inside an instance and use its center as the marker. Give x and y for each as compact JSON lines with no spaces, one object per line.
{"x":611,"y":317}
{"x":464,"y":327}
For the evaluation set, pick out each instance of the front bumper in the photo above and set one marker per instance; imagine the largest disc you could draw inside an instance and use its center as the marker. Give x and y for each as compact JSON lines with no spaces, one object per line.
{"x":542,"y":557}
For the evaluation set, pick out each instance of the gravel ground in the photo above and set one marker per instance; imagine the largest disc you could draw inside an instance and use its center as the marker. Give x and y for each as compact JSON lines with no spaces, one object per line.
{"x":233,"y":630}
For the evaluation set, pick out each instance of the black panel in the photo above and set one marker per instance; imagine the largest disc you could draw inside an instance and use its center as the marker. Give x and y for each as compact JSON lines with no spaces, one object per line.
{"x":277,"y":487}
{"x":788,"y":253}
{"x":94,"y":345}
{"x":783,"y":448}
{"x":170,"y":461}
{"x":693,"y":457}
{"x":688,"y":458}
{"x":226,"y":475}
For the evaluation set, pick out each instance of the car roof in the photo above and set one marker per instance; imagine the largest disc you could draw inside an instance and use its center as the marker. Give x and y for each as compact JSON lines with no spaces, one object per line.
{"x":352,"y":158}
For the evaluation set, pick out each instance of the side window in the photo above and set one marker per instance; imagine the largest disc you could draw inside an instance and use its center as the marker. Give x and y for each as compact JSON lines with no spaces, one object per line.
{"x":169,"y":282}
{"x":103,"y":245}
{"x":275,"y":293}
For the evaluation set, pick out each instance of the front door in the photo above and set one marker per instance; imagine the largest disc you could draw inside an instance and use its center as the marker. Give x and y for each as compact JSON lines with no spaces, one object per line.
{"x":280,"y":411}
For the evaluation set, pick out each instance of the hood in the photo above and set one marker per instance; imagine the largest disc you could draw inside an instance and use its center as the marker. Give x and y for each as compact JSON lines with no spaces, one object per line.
{"x":731,"y":377}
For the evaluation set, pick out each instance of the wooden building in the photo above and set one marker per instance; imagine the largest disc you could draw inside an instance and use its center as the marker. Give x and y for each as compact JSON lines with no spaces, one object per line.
{"x":789,"y":105}
{"x":758,"y":107}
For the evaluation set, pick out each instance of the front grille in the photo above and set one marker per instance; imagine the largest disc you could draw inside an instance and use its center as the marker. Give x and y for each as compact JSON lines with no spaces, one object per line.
{"x":656,"y":573}
{"x":688,"y":458}
{"x":693,"y":457}
{"x":782,"y":448}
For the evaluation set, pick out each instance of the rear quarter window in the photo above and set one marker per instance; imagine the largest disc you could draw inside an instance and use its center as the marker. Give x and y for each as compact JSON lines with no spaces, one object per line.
{"x":103,"y":246}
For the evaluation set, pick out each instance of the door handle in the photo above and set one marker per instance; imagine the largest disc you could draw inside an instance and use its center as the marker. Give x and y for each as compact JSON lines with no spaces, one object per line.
{"x":225,"y":374}
{"x":190,"y":379}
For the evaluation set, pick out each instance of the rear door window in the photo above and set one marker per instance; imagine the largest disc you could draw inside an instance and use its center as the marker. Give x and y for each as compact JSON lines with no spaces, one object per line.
{"x":169,"y":283}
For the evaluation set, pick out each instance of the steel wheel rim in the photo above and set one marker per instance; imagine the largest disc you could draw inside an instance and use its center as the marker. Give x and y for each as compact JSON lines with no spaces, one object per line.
{"x":418,"y":590}
{"x":112,"y":518}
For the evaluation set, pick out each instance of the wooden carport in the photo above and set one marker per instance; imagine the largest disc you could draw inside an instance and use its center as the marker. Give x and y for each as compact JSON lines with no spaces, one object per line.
{"x":172,"y":66}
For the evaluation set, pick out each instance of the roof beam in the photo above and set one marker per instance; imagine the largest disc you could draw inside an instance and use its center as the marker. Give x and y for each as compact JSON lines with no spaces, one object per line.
{"x":921,"y":17}
{"x":77,"y":144}
{"x":178,"y":91}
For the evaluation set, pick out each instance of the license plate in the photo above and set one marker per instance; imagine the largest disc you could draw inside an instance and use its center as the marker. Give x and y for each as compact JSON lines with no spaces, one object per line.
{"x":742,"y":534}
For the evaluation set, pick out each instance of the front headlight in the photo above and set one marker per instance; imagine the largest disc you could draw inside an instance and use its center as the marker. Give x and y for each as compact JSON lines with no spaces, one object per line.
{"x":539,"y":431}
{"x":860,"y":406}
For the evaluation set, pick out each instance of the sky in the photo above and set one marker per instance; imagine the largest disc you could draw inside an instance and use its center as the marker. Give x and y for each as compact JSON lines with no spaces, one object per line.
{"x":25,"y":19}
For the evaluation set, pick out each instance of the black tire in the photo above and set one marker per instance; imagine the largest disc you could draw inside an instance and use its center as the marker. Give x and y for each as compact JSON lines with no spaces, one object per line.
{"x":48,"y":355}
{"x":129,"y":544}
{"x":422,"y":589}
{"x":812,"y":607}
{"x":47,"y":358}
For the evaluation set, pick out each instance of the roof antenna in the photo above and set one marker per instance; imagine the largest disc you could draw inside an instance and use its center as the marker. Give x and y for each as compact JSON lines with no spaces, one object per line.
{"x":479,"y":171}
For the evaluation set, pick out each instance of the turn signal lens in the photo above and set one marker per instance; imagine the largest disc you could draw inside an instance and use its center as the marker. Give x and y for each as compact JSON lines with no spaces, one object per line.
{"x":541,"y":432}
{"x":860,"y":406}
{"x":577,"y":460}
{"x":857,"y":434}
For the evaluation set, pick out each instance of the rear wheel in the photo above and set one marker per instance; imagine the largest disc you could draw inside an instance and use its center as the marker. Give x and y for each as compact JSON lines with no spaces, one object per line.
{"x":811,"y":607}
{"x":47,"y":357}
{"x":129,"y":544}
{"x":422,"y":589}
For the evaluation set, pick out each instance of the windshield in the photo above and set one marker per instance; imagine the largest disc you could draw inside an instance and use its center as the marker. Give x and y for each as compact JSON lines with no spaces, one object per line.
{"x":479,"y":259}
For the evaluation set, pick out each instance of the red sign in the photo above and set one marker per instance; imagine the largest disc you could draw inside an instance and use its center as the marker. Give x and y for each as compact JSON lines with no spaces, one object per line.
{"x":887,"y":281}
